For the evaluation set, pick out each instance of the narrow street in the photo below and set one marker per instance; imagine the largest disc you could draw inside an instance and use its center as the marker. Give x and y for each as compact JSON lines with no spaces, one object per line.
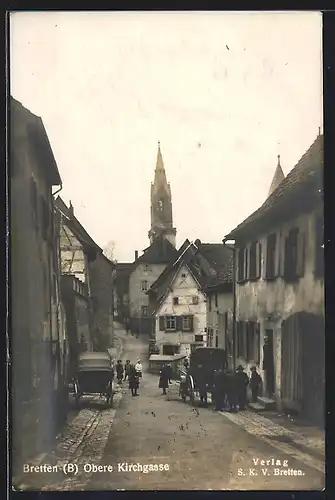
{"x":197,"y":447}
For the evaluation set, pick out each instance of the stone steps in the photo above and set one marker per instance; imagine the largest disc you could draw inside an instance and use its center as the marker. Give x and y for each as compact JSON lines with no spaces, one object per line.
{"x":263,"y":403}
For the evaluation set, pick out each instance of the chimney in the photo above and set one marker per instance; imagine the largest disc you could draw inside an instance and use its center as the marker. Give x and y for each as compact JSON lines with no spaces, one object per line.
{"x":71,"y":209}
{"x":136,"y":254}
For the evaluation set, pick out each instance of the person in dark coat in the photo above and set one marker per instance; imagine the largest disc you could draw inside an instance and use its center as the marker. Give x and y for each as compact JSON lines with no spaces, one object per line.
{"x":231,"y":391}
{"x":127,"y":369}
{"x":202,"y":388}
{"x":133,"y":381}
{"x":220,"y":390}
{"x":164,"y":377}
{"x":119,"y":371}
{"x":242,"y":381}
{"x":255,"y":382}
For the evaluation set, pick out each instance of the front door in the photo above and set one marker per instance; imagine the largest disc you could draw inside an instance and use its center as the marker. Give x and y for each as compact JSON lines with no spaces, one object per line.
{"x":270,"y":372}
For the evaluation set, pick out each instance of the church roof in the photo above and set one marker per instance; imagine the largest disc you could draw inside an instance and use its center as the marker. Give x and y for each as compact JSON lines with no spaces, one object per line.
{"x":277,"y":178}
{"x":299,"y":192}
{"x":161,"y":251}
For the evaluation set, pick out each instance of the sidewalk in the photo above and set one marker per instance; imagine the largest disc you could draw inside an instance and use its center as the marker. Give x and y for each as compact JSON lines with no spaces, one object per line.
{"x":279,"y":431}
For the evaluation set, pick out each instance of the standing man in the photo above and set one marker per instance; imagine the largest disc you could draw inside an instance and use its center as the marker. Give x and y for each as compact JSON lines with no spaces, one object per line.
{"x":133,"y":381}
{"x":242,"y":381}
{"x":126,"y":369}
{"x":164,"y":378}
{"x":268,"y":367}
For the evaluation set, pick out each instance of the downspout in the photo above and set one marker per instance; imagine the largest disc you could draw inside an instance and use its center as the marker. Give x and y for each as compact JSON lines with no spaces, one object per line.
{"x":233,"y":249}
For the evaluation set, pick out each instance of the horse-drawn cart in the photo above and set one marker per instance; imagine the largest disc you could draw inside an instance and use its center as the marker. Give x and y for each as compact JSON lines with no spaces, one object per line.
{"x":199,"y":377}
{"x":95,"y":375}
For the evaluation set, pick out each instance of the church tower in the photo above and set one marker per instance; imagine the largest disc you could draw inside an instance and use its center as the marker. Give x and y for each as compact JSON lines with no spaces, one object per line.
{"x":161,"y":205}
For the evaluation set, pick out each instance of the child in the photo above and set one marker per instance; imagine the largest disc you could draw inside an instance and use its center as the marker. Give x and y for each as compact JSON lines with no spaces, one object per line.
{"x":255,"y":382}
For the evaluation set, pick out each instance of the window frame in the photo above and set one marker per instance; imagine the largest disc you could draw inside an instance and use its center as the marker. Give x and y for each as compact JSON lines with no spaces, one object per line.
{"x":144,"y":289}
{"x":170,"y":318}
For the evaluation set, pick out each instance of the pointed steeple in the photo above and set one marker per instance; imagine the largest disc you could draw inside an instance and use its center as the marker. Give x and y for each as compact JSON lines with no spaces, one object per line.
{"x":277,"y":178}
{"x":160,"y":180}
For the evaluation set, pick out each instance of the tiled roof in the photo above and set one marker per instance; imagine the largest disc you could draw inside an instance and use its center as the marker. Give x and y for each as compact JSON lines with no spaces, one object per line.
{"x":209,"y":263}
{"x":161,"y":251}
{"x":73,"y":223}
{"x":298,"y":192}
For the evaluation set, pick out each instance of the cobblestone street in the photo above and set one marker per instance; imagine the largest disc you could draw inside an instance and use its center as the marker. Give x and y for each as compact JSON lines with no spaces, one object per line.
{"x":199,"y":448}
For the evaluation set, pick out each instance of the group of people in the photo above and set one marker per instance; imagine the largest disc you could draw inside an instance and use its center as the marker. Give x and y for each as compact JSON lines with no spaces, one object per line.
{"x":130,"y":372}
{"x":231,"y":388}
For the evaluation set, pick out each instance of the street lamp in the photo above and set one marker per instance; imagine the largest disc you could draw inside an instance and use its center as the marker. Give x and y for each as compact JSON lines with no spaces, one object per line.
{"x":231,"y":245}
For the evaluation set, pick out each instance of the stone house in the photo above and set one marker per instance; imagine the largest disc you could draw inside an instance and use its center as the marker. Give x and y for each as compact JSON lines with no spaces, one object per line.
{"x":280,"y":288}
{"x":145,"y":270}
{"x":178,"y":298}
{"x":38,"y":326}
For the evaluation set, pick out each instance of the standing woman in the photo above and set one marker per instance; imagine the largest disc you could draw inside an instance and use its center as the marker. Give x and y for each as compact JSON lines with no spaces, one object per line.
{"x":133,"y":381}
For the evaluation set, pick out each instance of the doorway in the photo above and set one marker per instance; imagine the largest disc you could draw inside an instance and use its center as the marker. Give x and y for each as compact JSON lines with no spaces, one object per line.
{"x":269,"y":364}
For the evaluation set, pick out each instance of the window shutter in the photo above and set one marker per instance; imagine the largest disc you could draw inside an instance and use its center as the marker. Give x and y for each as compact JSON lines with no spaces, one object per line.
{"x":246,"y":264}
{"x":161,"y":323}
{"x":191,"y":324}
{"x":179,"y":323}
{"x":301,"y":253}
{"x":282,"y":256}
{"x":237,"y":340}
{"x":258,"y":259}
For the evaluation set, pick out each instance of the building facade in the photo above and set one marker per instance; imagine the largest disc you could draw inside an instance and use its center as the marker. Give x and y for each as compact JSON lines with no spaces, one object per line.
{"x":280,"y":289}
{"x":38,"y":329}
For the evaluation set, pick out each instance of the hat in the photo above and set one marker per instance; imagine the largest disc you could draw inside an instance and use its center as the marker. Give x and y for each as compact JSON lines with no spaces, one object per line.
{"x":138,"y":361}
{"x":240,"y":368}
{"x":253,"y":368}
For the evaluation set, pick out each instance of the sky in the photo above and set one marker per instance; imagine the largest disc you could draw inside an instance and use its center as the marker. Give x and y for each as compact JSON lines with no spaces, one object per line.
{"x":224,"y":93}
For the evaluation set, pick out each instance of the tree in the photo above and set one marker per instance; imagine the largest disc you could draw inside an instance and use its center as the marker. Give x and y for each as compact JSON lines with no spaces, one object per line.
{"x":109,"y":251}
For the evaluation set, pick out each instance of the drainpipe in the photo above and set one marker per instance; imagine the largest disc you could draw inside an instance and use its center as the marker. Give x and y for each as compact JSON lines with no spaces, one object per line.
{"x":233,"y":249}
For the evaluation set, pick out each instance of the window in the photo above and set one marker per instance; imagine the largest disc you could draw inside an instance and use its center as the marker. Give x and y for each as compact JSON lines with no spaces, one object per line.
{"x":195,"y":300}
{"x":199,"y":338}
{"x":170,"y":350}
{"x":216,"y":299}
{"x":144,"y":286}
{"x":216,"y":340}
{"x":209,"y":337}
{"x":186,"y":323}
{"x":294,"y":255}
{"x":253,"y":260}
{"x":183,"y":275}
{"x":145,"y":311}
{"x":241,"y":264}
{"x":170,"y":323}
{"x":319,"y":248}
{"x":175,"y":301}
{"x":271,"y":256}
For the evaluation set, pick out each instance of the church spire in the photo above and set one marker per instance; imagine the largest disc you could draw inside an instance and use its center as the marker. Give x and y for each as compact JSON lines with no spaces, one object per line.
{"x":161,"y":204}
{"x":160,"y":175}
{"x":277,"y":178}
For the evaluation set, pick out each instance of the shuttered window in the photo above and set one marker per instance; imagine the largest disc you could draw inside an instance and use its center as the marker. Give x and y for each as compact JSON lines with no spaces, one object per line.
{"x":170,"y":323}
{"x":161,"y":323}
{"x":253,"y":260}
{"x":241,"y":264}
{"x":294,"y":260}
{"x":271,"y":247}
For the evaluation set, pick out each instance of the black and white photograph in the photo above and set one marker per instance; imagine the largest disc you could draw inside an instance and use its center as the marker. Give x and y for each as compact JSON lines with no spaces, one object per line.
{"x":167,"y":324}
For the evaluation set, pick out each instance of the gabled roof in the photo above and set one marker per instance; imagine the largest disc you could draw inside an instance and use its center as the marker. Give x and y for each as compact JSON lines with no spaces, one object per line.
{"x":221,"y":259}
{"x":161,"y":251}
{"x":208,"y":263}
{"x":38,"y":136}
{"x":299,"y":192}
{"x":73,"y":223}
